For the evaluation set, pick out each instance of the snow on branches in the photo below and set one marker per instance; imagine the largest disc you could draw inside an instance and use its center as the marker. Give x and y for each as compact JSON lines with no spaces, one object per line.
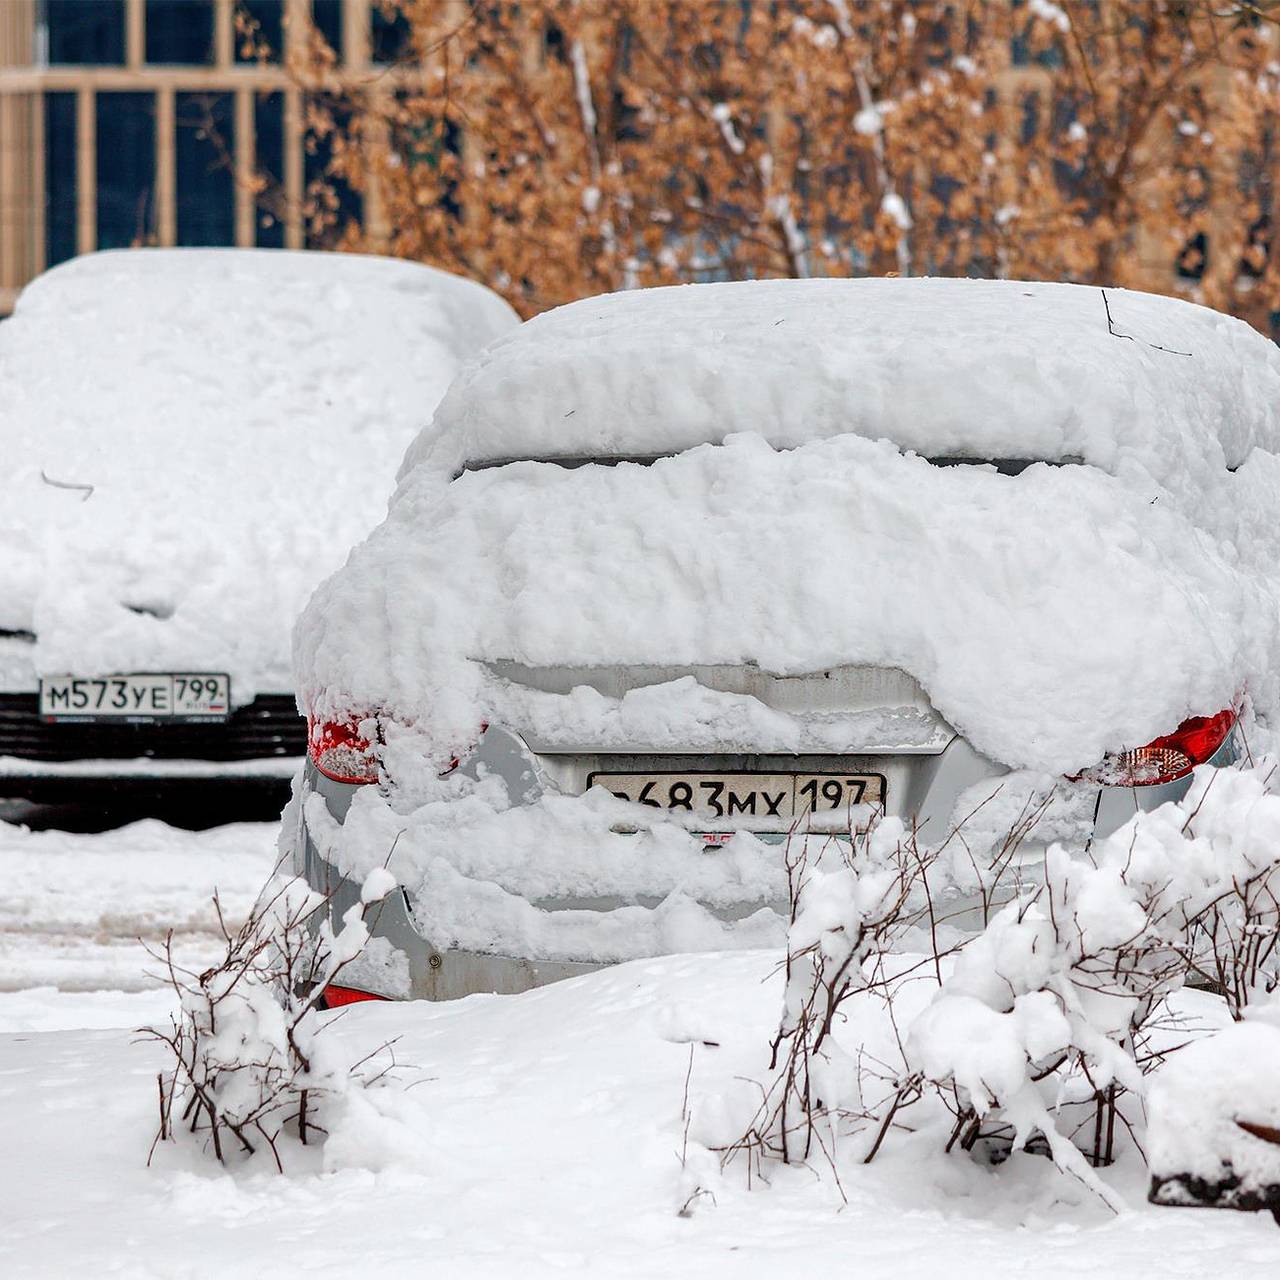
{"x":251,"y":1063}
{"x":1044,"y":1025}
{"x":849,"y":900}
{"x":1051,"y":1005}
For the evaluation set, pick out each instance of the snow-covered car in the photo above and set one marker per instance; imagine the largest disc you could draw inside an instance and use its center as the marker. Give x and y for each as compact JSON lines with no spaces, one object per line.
{"x":677,"y":572}
{"x":192,"y":440}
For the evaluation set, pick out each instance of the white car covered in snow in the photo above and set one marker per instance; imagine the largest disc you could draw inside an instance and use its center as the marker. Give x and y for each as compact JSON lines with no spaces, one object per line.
{"x":677,"y":575}
{"x":192,"y":440}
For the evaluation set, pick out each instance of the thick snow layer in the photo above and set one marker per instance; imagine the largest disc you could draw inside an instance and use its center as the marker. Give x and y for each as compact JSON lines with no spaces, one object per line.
{"x":997,"y":369}
{"x":542,"y":1135}
{"x":1050,"y":616}
{"x":1201,"y":1093}
{"x":194,"y":438}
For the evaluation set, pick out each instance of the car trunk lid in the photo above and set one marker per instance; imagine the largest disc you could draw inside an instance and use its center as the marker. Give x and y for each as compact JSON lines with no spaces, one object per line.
{"x":720,"y":708}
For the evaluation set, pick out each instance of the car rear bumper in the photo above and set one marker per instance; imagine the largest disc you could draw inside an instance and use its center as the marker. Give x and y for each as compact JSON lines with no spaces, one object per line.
{"x":259,"y":743}
{"x":411,"y":966}
{"x":98,"y":780}
{"x":420,"y":970}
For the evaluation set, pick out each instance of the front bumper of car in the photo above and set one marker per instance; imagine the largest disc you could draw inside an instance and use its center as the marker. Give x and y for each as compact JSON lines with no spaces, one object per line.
{"x":259,"y":744}
{"x":402,"y":963}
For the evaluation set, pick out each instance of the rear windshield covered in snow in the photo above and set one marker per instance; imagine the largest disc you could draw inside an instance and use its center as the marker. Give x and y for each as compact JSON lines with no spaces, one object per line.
{"x":1003,"y":466}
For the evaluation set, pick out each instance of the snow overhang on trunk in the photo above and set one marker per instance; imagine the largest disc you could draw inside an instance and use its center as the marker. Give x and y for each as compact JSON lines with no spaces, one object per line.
{"x":717,"y":708}
{"x":1049,"y":616}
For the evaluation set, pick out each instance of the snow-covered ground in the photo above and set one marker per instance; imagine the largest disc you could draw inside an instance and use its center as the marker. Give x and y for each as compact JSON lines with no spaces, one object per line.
{"x":543,"y":1139}
{"x":76,"y":909}
{"x":541,"y":1133}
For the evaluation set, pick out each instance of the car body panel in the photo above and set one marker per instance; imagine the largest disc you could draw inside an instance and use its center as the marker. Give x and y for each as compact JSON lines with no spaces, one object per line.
{"x":193,"y":439}
{"x":924,"y":789}
{"x":946,"y":532}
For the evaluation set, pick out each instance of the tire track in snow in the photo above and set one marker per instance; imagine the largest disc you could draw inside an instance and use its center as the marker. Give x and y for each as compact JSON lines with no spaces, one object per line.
{"x":76,"y":908}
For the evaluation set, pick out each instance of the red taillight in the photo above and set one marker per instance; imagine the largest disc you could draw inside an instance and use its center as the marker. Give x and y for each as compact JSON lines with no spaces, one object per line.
{"x":335,"y":997}
{"x":1166,"y":759}
{"x":341,"y":752}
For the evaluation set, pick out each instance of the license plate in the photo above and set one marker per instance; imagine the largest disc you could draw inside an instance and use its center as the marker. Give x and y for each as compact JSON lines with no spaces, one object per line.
{"x":773,"y":797}
{"x":159,"y":696}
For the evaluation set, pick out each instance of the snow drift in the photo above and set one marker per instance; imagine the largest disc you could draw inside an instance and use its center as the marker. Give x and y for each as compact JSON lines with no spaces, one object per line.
{"x":542,"y":1136}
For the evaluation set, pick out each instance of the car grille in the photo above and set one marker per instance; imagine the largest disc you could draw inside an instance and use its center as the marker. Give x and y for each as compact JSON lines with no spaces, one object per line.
{"x":268,"y":726}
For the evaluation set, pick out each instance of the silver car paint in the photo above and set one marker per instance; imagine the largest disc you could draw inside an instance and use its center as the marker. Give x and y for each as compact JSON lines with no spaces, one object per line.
{"x":923,"y":785}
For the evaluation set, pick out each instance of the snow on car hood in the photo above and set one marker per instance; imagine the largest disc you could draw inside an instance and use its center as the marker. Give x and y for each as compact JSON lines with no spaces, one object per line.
{"x":194,"y":438}
{"x":977,"y":368}
{"x":1049,"y":615}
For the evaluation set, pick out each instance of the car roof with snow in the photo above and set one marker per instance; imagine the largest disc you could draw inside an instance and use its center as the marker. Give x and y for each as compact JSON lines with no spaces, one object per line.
{"x":943,"y":367}
{"x":184,"y":429}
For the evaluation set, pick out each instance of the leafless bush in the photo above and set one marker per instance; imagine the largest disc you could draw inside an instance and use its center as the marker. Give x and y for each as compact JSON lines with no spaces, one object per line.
{"x":250,"y":1062}
{"x":848,"y":901}
{"x":1047,"y":1020}
{"x":1232,"y":944}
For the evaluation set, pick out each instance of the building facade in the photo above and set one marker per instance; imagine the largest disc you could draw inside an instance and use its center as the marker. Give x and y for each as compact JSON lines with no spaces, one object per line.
{"x":167,"y":122}
{"x":184,"y":122}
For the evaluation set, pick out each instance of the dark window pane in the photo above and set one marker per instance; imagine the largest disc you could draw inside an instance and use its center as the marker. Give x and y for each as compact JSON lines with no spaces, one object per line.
{"x":59,"y":177}
{"x":259,"y":23}
{"x":204,"y":147}
{"x":268,"y":119}
{"x":327,"y":15}
{"x":390,"y":34}
{"x":126,"y":169}
{"x":331,"y":204}
{"x":180,"y":31}
{"x":85,"y":30}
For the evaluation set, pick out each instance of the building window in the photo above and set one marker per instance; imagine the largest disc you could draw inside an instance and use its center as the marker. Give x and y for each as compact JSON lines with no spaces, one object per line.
{"x":327,"y":16}
{"x":391,"y":38}
{"x":59,"y":177}
{"x":126,"y":169}
{"x":268,"y":125}
{"x":180,"y":32}
{"x":259,"y":28}
{"x":1193,"y":257}
{"x":331,"y":204}
{"x":84,"y":31}
{"x":204,"y":149}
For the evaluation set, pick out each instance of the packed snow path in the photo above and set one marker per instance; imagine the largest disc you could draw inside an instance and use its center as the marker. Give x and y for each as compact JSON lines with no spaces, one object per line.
{"x":76,"y":909}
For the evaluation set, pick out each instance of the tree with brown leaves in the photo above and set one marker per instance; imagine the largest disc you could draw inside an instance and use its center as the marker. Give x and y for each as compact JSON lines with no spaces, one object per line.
{"x":559,"y":148}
